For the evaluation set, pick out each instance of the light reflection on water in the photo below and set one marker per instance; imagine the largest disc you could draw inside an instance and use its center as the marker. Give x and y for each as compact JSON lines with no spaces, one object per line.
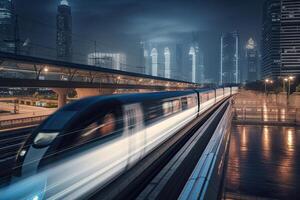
{"x":266,"y":144}
{"x":265,"y":112}
{"x":290,"y":139}
{"x":244,"y":140}
{"x":264,"y":161}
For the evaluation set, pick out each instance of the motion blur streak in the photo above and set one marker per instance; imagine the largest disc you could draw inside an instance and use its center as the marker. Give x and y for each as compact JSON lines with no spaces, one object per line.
{"x":86,"y":172}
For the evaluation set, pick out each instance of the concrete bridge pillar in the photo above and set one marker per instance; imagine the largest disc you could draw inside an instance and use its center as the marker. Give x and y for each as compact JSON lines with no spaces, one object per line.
{"x":62,"y":95}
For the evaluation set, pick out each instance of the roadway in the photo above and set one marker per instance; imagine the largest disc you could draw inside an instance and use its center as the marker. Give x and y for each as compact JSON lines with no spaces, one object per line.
{"x":23,"y":111}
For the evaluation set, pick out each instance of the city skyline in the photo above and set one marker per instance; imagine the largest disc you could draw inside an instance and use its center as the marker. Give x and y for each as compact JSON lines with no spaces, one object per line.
{"x":210,"y":28}
{"x":149,"y":99}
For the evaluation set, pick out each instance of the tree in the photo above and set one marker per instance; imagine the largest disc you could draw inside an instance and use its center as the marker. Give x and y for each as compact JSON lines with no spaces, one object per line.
{"x":298,"y":88}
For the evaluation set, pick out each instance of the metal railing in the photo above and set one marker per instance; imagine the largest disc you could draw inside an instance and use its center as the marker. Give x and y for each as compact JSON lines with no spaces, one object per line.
{"x":262,"y":114}
{"x":26,"y":121}
{"x":205,"y":181}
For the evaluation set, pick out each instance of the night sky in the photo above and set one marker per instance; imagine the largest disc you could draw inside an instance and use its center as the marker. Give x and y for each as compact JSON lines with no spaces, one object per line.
{"x":119,"y":25}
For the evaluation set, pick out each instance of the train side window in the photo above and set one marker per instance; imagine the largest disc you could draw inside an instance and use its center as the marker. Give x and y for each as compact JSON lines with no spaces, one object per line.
{"x":153,"y":111}
{"x":184,"y":103}
{"x":203,"y":97}
{"x":108,"y":124}
{"x":167,"y":108}
{"x":176,"y":105}
{"x":191,"y":101}
{"x":211,"y":95}
{"x":102,"y":126}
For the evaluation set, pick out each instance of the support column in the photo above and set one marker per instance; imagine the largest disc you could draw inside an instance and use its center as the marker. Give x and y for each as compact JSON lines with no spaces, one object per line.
{"x":62,"y":96}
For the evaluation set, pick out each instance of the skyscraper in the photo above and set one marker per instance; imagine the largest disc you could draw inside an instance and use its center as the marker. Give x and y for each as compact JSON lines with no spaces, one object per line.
{"x":251,"y":61}
{"x":229,"y":72}
{"x":195,"y":67}
{"x":181,"y":61}
{"x":164,"y":59}
{"x":281,"y":38}
{"x":8,"y":27}
{"x":64,"y":31}
{"x":271,"y":39}
{"x":108,"y":60}
{"x":290,"y":37}
{"x":200,"y":70}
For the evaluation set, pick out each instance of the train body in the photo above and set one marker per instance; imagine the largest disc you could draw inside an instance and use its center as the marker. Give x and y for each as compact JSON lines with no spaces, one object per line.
{"x":95,"y":139}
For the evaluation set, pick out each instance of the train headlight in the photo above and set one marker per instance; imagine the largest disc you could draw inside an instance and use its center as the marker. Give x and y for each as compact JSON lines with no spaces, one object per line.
{"x":36,"y":197}
{"x":44,"y":139}
{"x":22,"y":153}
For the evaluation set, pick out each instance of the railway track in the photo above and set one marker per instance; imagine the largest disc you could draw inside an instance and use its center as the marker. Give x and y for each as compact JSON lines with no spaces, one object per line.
{"x":10,"y":143}
{"x":164,"y":172}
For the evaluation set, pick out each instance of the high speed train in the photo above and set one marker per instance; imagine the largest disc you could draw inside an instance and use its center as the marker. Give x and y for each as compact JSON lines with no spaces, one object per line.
{"x":87,"y":143}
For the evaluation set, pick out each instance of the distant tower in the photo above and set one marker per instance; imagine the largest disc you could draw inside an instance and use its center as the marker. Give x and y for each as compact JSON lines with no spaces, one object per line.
{"x":252,"y":60}
{"x":229,"y":72}
{"x":167,"y":55}
{"x":8,"y":27}
{"x":64,"y":31}
{"x":200,"y":69}
{"x":154,"y":56}
{"x":192,"y":53}
{"x":270,"y":45}
{"x":290,"y":37}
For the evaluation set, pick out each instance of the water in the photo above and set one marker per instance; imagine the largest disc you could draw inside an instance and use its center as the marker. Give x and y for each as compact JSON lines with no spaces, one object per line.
{"x":264,"y":162}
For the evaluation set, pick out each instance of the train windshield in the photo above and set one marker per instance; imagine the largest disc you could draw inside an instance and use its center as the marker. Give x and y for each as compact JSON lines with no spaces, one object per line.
{"x":58,"y":120}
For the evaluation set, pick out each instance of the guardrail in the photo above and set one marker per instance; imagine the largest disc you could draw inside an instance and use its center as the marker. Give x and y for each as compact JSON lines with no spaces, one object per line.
{"x":26,"y":121}
{"x":270,"y":114}
{"x":204,"y":182}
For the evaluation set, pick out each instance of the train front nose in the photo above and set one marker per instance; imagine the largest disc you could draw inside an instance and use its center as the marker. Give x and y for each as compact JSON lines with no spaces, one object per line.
{"x":32,"y":153}
{"x":27,"y":181}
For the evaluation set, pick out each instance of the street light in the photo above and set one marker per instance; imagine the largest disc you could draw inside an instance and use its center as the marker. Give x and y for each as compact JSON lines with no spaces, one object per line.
{"x":284,"y":81}
{"x":290,"y":78}
{"x":266,"y":82}
{"x":46,"y":69}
